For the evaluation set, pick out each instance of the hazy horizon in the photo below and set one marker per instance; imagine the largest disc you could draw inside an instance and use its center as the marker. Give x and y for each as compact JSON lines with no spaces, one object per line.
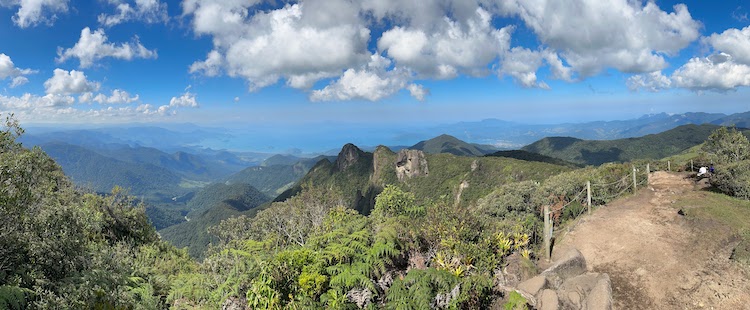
{"x":371,"y":63}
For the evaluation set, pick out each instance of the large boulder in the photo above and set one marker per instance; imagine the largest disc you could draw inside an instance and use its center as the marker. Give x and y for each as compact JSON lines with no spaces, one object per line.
{"x":600,"y":297}
{"x":572,"y":264}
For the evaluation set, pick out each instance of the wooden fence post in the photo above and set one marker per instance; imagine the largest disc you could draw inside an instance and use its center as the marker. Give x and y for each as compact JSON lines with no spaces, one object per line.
{"x":669,"y":166}
{"x":547,"y":233}
{"x":588,"y":196}
{"x":648,"y":173}
{"x":635,"y":184}
{"x":691,"y":166}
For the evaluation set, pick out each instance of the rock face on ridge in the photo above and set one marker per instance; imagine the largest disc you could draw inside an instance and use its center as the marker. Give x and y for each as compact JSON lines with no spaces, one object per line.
{"x":411,"y":163}
{"x":348,"y":156}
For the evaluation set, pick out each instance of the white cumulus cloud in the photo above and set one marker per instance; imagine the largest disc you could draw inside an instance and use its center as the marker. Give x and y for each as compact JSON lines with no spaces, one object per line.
{"x":727,"y":68}
{"x":716,"y":72}
{"x":372,"y":82}
{"x":451,"y":48}
{"x":653,"y":81}
{"x":33,"y":12}
{"x":185,"y":100}
{"x":8,"y":70}
{"x":118,"y":96}
{"x":592,"y":35}
{"x":69,"y":82}
{"x":735,"y":42}
{"x":300,"y":43}
{"x":303,"y":42}
{"x":148,"y":11}
{"x":93,"y":46}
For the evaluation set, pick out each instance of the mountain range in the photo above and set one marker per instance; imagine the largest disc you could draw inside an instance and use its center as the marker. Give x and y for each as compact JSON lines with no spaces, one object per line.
{"x":171,"y":177}
{"x":254,"y":143}
{"x":597,"y":152}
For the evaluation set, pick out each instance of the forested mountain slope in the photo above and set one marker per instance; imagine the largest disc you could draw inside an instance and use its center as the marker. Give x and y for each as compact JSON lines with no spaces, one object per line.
{"x":360,"y":176}
{"x":597,"y":152}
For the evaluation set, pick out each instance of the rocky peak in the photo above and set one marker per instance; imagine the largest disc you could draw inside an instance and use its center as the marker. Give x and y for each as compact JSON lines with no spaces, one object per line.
{"x":411,"y":163}
{"x":348,"y":156}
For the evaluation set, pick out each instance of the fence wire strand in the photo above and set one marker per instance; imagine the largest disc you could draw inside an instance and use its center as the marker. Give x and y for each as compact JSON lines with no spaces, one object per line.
{"x":574,"y":199}
{"x":613,"y":196}
{"x":623,"y":179}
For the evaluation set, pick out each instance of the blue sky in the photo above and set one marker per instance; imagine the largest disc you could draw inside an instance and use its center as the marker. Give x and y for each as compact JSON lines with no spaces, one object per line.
{"x":380,"y":62}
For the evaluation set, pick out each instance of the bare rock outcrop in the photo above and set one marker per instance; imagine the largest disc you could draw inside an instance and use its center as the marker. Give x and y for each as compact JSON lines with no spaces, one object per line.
{"x":348,"y":156}
{"x":411,"y":163}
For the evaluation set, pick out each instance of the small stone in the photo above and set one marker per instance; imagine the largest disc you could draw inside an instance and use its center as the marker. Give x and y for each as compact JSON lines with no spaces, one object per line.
{"x":533,"y":285}
{"x":548,"y":300}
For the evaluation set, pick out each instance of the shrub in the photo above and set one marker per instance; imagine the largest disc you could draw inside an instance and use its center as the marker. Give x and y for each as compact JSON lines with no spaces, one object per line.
{"x":727,"y":146}
{"x":733,"y":179}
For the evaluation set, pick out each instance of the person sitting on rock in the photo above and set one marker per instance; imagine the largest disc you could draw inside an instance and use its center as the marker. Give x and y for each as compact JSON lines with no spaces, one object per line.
{"x":702,"y":171}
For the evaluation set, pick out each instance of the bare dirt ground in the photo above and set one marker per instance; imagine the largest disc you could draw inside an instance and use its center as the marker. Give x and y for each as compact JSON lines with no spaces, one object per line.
{"x":656,"y":258}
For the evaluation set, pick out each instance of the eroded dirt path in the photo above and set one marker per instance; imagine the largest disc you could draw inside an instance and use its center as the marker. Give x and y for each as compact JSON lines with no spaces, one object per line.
{"x":656,"y":258}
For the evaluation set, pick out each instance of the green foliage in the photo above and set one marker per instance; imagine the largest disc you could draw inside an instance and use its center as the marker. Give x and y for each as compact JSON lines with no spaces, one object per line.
{"x":418,"y":288}
{"x":422,"y":247}
{"x":727,"y":146}
{"x":14,"y":297}
{"x":292,"y":220}
{"x":62,"y":249}
{"x":392,"y":202}
{"x":733,"y":179}
{"x":515,"y":302}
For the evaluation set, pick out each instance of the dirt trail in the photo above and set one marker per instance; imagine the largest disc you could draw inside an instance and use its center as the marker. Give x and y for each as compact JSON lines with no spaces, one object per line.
{"x":656,"y":258}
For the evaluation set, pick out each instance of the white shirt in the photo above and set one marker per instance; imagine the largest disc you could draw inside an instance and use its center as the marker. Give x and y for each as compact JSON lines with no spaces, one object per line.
{"x":702,"y":171}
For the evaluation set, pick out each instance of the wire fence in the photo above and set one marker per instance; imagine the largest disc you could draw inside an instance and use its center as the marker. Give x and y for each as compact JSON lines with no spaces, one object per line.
{"x":600,"y":193}
{"x":592,"y":195}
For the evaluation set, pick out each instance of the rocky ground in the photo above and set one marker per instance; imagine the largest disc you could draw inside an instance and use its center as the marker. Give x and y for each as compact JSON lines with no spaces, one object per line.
{"x":657,"y":258}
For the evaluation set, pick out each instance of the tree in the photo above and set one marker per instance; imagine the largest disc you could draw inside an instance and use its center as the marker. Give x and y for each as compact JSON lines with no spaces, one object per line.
{"x":727,"y":146}
{"x":394,"y":202}
{"x":294,"y":219}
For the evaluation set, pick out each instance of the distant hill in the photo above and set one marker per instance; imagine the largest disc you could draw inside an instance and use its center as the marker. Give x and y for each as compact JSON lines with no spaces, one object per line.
{"x":740,"y":120}
{"x":446,"y":178}
{"x":190,"y":166}
{"x":281,"y":159}
{"x":210,"y":206}
{"x":529,"y":156}
{"x":100,"y":173}
{"x":449,"y":144}
{"x":597,"y":152}
{"x":273,"y":179}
